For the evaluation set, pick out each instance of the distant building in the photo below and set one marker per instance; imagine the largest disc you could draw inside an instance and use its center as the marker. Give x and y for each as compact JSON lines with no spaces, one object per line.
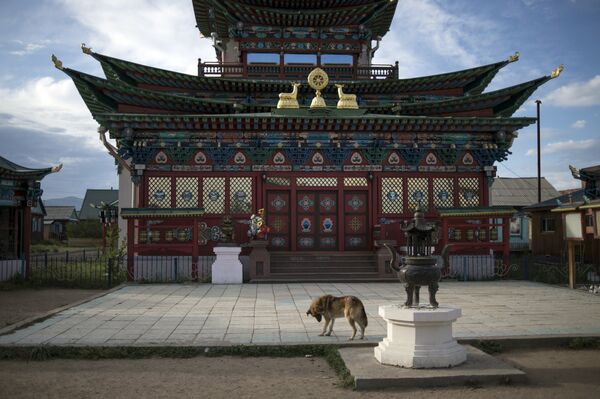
{"x":20,"y":191}
{"x":95,"y":197}
{"x":38,"y":213}
{"x":519,"y":193}
{"x":56,"y":221}
{"x":548,"y":224}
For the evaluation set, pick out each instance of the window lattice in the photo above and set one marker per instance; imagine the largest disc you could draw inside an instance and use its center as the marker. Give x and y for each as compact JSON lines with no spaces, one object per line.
{"x":278,"y":181}
{"x":443,"y":192}
{"x":159,"y":192}
{"x":186,"y":191}
{"x":355,"y":182}
{"x":391,"y":195}
{"x":240,"y":189}
{"x":213,"y":194}
{"x":317,"y":181}
{"x":417,"y":192}
{"x":468,"y":191}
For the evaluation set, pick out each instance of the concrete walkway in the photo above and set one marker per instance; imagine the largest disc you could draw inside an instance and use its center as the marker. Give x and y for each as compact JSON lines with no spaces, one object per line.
{"x":205,"y":314}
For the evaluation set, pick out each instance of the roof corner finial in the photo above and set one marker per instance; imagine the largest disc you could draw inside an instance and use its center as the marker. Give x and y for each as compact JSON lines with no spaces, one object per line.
{"x":514,"y":57}
{"x":86,"y":50}
{"x":556,"y":73}
{"x":57,"y":63}
{"x":57,"y":168}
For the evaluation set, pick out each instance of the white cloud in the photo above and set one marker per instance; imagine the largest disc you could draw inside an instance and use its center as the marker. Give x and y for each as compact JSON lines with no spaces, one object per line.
{"x":579,"y":124}
{"x":51,"y":106}
{"x":424,"y":31}
{"x":28,"y":48}
{"x":578,"y":94}
{"x":151,"y":32}
{"x":566,"y":147}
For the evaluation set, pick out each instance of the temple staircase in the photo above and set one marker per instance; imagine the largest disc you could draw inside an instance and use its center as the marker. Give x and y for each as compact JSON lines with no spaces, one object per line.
{"x":323,"y":267}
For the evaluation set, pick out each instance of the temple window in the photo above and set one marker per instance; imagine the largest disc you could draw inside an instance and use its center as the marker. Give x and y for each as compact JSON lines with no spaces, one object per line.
{"x":317,"y":181}
{"x":303,"y":59}
{"x":186,"y":191}
{"x":355,"y":182}
{"x":263,"y":58}
{"x":443,"y":192}
{"x":392,"y":195}
{"x":240,"y":192}
{"x":418,"y":192}
{"x":468,"y":192}
{"x":159,"y":192}
{"x":337,"y":59}
{"x":213,"y":195}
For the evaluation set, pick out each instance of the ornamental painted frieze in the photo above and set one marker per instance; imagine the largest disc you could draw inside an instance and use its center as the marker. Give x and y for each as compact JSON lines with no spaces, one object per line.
{"x":327,"y":225}
{"x":306,"y":242}
{"x":431,"y":159}
{"x":278,"y":203}
{"x":355,"y":224}
{"x":327,"y":241}
{"x":305,"y":225}
{"x":278,"y":242}
{"x":306,"y":203}
{"x":279,"y":158}
{"x":161,"y":158}
{"x":394,"y":159}
{"x":317,"y":159}
{"x":356,"y":158}
{"x":240,"y":158}
{"x":200,"y":158}
{"x":327,"y":203}
{"x":355,"y":203}
{"x":355,"y":241}
{"x":468,"y":159}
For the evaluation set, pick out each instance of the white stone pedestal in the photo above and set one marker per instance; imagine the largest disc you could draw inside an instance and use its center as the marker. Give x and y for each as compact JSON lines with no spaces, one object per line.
{"x":227,"y":268}
{"x":420,"y":338}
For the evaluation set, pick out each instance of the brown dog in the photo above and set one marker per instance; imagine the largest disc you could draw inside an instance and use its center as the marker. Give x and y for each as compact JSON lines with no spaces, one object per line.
{"x":330,"y":308}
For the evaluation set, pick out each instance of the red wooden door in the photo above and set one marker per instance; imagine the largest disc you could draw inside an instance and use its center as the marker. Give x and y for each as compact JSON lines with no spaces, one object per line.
{"x":317,"y":223}
{"x":356,"y":220}
{"x":278,"y":220}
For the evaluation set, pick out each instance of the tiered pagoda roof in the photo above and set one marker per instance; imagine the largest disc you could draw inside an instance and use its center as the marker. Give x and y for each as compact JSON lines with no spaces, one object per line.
{"x":467,"y":81}
{"x":10,"y":170}
{"x":217,"y":16}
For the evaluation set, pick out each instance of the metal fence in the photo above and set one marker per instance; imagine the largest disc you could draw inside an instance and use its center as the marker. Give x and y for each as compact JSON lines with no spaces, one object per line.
{"x":553,"y":270}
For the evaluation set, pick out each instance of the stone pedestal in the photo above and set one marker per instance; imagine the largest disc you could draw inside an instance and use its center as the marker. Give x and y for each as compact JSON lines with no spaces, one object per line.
{"x":227,"y":268}
{"x":260,"y":259}
{"x":420,"y":338}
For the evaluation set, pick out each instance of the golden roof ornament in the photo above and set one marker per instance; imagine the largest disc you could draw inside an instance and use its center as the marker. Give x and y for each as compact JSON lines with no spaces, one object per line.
{"x":556,"y":73}
{"x":289,"y":100}
{"x":86,"y":50}
{"x":514,"y":57}
{"x":346,"y":101}
{"x":57,"y":63}
{"x":318,"y":80}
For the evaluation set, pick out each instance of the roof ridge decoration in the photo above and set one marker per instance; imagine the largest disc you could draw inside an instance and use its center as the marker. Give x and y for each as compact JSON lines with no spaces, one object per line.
{"x":557,"y":71}
{"x":318,"y":80}
{"x":515,"y":57}
{"x":57,"y":63}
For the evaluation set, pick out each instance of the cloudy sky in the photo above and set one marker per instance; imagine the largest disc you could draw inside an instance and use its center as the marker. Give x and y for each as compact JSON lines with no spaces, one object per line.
{"x":44,"y":122}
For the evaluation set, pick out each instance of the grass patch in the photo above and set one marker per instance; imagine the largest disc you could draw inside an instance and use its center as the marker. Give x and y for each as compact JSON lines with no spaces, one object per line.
{"x":584,"y":343}
{"x":46,"y":352}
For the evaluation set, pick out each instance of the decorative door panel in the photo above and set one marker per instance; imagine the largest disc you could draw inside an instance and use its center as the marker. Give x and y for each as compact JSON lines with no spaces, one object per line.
{"x":316,"y":220}
{"x":278,"y":219}
{"x":356,"y":220}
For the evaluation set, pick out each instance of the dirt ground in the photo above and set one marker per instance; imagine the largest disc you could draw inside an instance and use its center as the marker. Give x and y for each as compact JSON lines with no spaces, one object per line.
{"x":20,"y":304}
{"x":552,"y":373}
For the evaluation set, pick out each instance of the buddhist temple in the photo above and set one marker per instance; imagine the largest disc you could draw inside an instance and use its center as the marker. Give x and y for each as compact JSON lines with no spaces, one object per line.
{"x":294,"y":118}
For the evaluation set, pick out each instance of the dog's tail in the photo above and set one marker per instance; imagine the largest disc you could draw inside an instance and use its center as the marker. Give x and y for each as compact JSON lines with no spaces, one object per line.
{"x":364,"y":316}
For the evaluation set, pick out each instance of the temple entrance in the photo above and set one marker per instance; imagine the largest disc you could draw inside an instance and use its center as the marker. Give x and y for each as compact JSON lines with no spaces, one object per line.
{"x":317,"y":221}
{"x":356,"y":220}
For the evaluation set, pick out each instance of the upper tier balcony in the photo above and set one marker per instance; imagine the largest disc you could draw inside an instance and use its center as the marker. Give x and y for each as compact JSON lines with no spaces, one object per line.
{"x":297,"y":71}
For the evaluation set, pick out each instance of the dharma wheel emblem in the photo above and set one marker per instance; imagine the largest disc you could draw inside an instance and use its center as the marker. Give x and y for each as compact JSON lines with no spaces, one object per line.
{"x":318,"y":80}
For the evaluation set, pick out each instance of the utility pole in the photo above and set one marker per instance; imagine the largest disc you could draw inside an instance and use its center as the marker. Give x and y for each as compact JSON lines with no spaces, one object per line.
{"x":539,"y":153}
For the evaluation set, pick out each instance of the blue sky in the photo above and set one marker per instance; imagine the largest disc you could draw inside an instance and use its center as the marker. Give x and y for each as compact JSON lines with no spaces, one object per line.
{"x":43,"y":121}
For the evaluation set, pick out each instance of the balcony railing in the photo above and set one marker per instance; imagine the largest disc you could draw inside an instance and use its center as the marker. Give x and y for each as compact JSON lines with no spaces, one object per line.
{"x":296,"y":71}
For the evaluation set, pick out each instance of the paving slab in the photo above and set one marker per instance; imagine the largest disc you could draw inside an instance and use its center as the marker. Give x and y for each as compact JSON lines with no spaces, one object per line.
{"x":480,"y":368}
{"x":263,"y":314}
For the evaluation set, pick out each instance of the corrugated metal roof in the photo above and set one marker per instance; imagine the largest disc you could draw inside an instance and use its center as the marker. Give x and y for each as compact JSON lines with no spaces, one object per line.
{"x":522,"y":191}
{"x":96,"y":196}
{"x":60,"y":213}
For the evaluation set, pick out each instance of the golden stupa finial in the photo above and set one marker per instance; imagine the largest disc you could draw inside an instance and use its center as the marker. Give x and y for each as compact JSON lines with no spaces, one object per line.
{"x":514,"y":57}
{"x":57,"y":63}
{"x":556,"y":73}
{"x":85,"y":49}
{"x":289,"y":100}
{"x":318,"y":80}
{"x":346,"y":101}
